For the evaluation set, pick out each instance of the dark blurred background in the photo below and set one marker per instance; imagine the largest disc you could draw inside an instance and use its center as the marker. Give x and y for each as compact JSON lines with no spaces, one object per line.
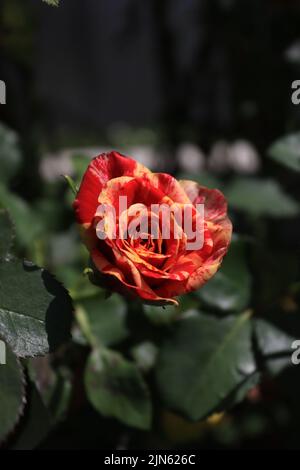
{"x":193,"y":71}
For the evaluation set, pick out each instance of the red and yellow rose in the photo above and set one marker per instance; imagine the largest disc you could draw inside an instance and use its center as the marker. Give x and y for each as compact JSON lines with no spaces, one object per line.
{"x":154,"y":270}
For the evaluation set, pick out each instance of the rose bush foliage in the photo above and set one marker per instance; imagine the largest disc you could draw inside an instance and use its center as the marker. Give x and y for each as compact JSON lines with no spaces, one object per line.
{"x":142,"y":364}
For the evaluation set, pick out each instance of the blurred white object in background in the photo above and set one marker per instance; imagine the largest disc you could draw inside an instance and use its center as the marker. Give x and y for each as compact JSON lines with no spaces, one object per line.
{"x":219,"y":157}
{"x":243,"y":157}
{"x":52,"y":167}
{"x":144,"y":154}
{"x":292,"y":53}
{"x":240,"y":156}
{"x":190,"y":158}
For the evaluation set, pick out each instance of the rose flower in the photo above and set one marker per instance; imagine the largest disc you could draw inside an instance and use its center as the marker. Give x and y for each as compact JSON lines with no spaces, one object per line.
{"x":150,"y":236}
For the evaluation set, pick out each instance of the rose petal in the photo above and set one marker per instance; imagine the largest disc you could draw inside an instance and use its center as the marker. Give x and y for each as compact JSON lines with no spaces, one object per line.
{"x":169,"y":186}
{"x":102,"y":169}
{"x":205,"y":267}
{"x":215,"y":204}
{"x":121,"y":285}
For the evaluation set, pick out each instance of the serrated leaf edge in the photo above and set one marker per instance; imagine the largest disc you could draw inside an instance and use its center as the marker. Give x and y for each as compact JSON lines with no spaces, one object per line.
{"x":21,"y":409}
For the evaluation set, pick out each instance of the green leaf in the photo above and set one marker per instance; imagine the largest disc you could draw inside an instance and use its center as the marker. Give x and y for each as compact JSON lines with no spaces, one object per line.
{"x":203,"y":361}
{"x":103,"y":321}
{"x":241,"y":390}
{"x":260,"y":197}
{"x":161,"y":315}
{"x":168,"y":314}
{"x":54,"y":385}
{"x":6,"y":233}
{"x":35,"y":309}
{"x":286,"y":151}
{"x":36,"y":423}
{"x":12,"y":393}
{"x":10,"y":155}
{"x":116,"y":389}
{"x":60,"y":399}
{"x":230,"y":288}
{"x":275,"y":336}
{"x":26,"y":223}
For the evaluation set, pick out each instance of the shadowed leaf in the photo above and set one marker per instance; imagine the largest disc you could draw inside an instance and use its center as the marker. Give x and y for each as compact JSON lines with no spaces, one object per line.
{"x":12,"y":393}
{"x":203,"y":361}
{"x":116,"y":389}
{"x":35,"y":309}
